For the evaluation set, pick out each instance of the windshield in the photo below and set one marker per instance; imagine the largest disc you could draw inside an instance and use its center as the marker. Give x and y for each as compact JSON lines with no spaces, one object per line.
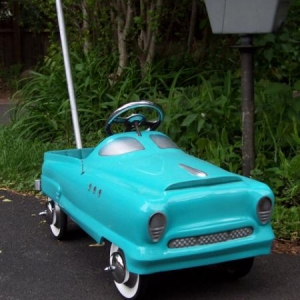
{"x":163,"y":142}
{"x":120,"y":146}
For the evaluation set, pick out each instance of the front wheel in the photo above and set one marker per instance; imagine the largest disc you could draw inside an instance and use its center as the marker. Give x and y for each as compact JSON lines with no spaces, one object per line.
{"x":237,"y":268}
{"x":129,"y":285}
{"x":57,"y":219}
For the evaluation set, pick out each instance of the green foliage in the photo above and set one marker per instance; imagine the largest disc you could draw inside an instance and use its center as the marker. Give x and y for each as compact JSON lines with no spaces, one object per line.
{"x":43,"y":109}
{"x":200,"y":96}
{"x":36,"y":15}
{"x":9,"y":76}
{"x":200,"y":119}
{"x":202,"y":116}
{"x":20,"y":160}
{"x":278,"y":53}
{"x":286,"y":222}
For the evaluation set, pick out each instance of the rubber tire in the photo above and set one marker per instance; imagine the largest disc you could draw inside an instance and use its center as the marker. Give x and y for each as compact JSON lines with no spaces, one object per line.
{"x":126,"y":292}
{"x":59,"y":222}
{"x":237,"y":268}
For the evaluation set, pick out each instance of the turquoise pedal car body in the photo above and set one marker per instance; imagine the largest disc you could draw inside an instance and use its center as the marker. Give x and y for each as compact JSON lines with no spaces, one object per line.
{"x":160,"y":208}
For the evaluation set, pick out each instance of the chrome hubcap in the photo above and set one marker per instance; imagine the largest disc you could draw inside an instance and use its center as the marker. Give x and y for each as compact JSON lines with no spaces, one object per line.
{"x":49,"y":213}
{"x":117,"y":267}
{"x":53,"y":214}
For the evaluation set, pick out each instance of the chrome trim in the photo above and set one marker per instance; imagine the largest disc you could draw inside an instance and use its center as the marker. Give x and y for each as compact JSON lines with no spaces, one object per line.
{"x":193,"y":171}
{"x":37,"y":185}
{"x":264,"y":213}
{"x":135,"y":105}
{"x":117,"y":267}
{"x":211,"y":238}
{"x":156,"y":230}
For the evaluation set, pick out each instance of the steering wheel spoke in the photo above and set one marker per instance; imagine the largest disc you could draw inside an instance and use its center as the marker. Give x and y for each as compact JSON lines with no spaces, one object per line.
{"x":133,"y":121}
{"x":120,"y":120}
{"x":129,"y":126}
{"x":149,"y":123}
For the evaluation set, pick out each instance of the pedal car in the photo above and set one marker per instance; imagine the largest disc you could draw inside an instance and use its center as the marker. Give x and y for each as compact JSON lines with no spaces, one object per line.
{"x":160,"y":208}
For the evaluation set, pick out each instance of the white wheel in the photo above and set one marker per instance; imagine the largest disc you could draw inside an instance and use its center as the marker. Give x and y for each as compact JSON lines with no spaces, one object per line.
{"x":128,"y":284}
{"x":57,"y":219}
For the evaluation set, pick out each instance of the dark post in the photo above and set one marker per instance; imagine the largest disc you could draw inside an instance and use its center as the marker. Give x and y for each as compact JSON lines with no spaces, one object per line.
{"x":247,"y":66}
{"x":247,"y":17}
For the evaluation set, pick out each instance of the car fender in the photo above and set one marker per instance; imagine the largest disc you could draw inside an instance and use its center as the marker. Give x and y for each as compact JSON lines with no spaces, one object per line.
{"x":51,"y":188}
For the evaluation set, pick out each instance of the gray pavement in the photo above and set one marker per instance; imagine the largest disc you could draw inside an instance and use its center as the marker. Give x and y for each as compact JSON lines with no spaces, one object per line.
{"x":4,"y":114}
{"x":5,"y":105}
{"x":33,"y":265}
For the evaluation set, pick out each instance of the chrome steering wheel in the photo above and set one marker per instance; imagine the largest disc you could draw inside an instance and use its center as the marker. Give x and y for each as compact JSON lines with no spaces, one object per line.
{"x":133,"y":121}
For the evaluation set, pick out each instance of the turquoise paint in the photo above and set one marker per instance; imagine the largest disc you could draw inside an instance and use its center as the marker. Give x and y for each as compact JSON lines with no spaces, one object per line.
{"x":113,"y":197}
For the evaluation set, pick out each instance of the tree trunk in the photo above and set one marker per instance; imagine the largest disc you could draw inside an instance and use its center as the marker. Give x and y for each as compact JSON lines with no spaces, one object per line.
{"x":85,"y":28}
{"x":192,"y":24}
{"x":149,"y":10}
{"x":124,"y":19}
{"x":17,"y":36}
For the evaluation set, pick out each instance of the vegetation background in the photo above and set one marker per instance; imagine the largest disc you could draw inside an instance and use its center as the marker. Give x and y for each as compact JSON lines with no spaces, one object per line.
{"x":164,"y":51}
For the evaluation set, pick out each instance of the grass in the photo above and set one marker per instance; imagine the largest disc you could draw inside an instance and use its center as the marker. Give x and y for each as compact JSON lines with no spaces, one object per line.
{"x":20,"y":160}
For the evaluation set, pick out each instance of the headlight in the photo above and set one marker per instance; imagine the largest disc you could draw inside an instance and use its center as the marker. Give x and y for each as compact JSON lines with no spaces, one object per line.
{"x":157,"y":225}
{"x":264,"y":210}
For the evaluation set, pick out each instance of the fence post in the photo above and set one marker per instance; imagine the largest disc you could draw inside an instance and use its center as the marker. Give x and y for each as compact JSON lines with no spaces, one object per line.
{"x":17,"y":35}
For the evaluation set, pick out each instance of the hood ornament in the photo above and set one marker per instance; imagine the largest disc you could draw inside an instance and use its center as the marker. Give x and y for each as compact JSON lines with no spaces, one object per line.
{"x":193,"y":171}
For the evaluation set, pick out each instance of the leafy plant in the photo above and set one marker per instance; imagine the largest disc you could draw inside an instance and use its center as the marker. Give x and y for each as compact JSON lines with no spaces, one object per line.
{"x":20,"y":160}
{"x":286,"y":222}
{"x":202,"y":114}
{"x":278,"y":53}
{"x":9,"y":76}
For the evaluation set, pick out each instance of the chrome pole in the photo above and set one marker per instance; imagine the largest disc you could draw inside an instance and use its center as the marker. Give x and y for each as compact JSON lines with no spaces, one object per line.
{"x":64,"y":43}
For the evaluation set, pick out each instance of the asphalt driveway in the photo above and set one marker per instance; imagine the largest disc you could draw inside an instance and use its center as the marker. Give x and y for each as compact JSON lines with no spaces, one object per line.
{"x":5,"y":105}
{"x":33,"y":265}
{"x":4,"y":117}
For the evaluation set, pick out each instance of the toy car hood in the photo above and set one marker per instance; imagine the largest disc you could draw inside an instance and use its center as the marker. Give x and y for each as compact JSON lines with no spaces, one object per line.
{"x":166,"y":169}
{"x":175,"y":170}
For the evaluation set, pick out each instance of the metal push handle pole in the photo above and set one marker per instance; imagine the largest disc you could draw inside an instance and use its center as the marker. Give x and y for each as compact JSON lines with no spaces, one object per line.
{"x":64,"y":43}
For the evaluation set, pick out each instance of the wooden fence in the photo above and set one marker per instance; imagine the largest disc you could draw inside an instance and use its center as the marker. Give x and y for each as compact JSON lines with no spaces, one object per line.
{"x":18,"y":46}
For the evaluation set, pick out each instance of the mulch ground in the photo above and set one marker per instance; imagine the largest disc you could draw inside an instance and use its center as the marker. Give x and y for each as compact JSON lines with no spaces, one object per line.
{"x":286,"y":247}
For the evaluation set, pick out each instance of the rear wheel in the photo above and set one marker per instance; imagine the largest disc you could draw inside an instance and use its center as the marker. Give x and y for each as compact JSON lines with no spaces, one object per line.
{"x":237,"y":268}
{"x":129,"y":285}
{"x":57,"y":219}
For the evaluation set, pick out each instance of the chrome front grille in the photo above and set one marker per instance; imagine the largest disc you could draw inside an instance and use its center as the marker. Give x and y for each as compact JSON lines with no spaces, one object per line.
{"x":211,"y":238}
{"x":264,"y":216}
{"x":156,"y":233}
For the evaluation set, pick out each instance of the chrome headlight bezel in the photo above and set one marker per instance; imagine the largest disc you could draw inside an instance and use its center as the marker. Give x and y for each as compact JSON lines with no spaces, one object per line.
{"x":264,"y":210}
{"x":156,"y":226}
